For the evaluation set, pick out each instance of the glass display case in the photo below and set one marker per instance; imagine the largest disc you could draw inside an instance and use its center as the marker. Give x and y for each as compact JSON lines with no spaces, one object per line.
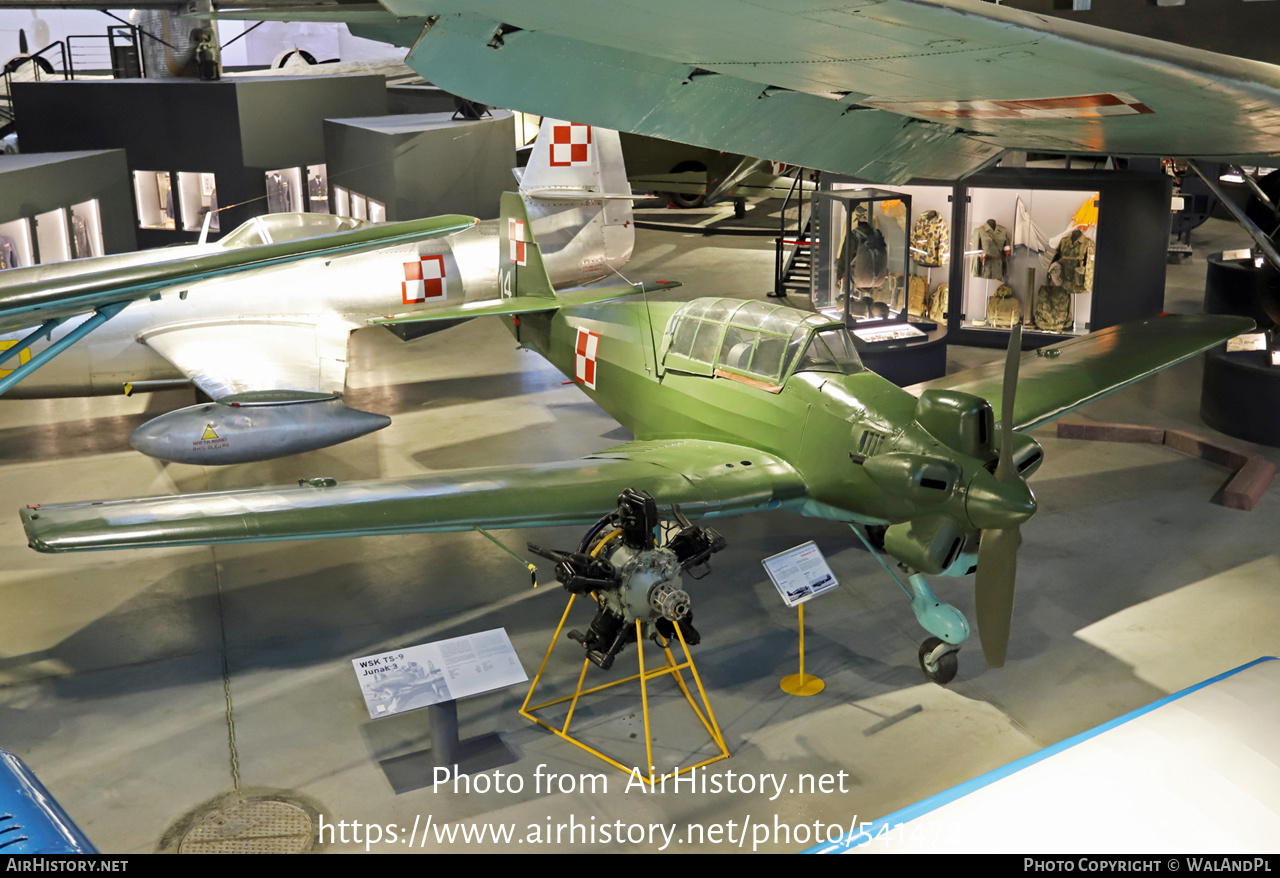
{"x":15,"y":244}
{"x":153,"y":192}
{"x":86,"y":229}
{"x":1029,"y":258}
{"x":53,"y":240}
{"x":860,"y":256}
{"x":197,"y":196}
{"x":285,"y":191}
{"x":318,"y":188}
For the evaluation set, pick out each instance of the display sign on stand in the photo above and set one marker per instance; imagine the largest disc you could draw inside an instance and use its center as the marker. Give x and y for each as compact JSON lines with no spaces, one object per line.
{"x":800,"y":574}
{"x":434,"y":676}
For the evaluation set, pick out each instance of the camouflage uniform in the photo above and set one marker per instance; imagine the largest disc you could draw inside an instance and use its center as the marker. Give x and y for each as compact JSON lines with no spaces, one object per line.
{"x":1003,"y":308}
{"x":1053,"y":302}
{"x":1075,"y":255}
{"x":930,"y":240}
{"x":992,"y":244}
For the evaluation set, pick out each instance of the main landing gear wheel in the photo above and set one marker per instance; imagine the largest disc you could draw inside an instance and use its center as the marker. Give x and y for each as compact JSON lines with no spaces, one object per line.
{"x":942,"y":670}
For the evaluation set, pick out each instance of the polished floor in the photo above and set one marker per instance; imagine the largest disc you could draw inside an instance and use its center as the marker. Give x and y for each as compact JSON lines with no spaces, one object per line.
{"x":119,"y":671}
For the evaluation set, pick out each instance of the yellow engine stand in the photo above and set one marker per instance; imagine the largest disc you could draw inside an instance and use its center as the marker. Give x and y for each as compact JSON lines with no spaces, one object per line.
{"x":670,"y":667}
{"x":802,"y":683}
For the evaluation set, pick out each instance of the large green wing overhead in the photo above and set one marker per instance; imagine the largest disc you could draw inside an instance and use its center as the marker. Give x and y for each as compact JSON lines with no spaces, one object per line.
{"x":705,"y":478}
{"x":1060,"y":378}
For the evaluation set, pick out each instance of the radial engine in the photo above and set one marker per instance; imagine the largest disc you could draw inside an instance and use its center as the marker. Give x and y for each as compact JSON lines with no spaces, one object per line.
{"x":631,"y":564}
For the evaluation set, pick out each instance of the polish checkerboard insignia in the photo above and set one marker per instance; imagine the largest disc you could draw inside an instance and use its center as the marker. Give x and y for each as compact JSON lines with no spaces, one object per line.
{"x":423,"y":279}
{"x":515,"y":237}
{"x":570,"y":145}
{"x":584,"y":363}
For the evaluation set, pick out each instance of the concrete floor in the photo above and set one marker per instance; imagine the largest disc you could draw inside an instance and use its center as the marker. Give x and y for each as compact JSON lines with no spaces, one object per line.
{"x":1132,"y":584}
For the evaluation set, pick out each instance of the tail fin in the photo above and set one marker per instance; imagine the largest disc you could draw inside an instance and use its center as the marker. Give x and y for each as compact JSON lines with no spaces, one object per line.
{"x":522,"y":279}
{"x":521,"y":271}
{"x":576,"y":192}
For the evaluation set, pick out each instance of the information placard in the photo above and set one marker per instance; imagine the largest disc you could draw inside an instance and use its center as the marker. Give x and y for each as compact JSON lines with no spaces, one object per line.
{"x":800,"y":574}
{"x":431,"y":673}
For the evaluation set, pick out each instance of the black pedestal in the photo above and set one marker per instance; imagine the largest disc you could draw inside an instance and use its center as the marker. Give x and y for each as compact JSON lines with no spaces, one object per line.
{"x":1241,"y":395}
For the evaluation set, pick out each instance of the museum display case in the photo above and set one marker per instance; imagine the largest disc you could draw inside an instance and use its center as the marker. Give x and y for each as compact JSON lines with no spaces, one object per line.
{"x":1029,"y":258}
{"x":197,"y":196}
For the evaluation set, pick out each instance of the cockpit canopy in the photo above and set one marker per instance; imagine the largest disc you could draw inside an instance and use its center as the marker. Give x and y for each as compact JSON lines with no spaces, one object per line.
{"x":276,"y":228}
{"x":755,"y":340}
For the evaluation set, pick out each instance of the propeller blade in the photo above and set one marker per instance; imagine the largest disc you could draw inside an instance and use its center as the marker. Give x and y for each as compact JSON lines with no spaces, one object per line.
{"x":993,"y":590}
{"x":1004,"y":469}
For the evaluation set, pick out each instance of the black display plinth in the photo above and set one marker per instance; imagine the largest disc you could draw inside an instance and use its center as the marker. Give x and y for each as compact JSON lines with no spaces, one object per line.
{"x":1240,"y":286}
{"x":1241,"y":395}
{"x":906,"y":363}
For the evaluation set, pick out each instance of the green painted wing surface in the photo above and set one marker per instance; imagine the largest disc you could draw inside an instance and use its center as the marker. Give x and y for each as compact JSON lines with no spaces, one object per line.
{"x":1083,"y":369}
{"x":30,"y":296}
{"x":705,"y":478}
{"x":526,"y":305}
{"x":879,"y":89}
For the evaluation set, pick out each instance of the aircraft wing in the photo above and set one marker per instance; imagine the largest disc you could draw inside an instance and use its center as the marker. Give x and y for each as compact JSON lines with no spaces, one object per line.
{"x":32,"y":296}
{"x":241,"y":356}
{"x":705,"y":478}
{"x":1058,"y":379}
{"x":884,"y":90}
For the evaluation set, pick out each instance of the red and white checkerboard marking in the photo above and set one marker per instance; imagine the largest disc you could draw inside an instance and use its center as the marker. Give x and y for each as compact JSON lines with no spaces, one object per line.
{"x":423,"y":279}
{"x":584,"y":361}
{"x":1070,"y":107}
{"x":515,"y":237}
{"x":570,"y":145}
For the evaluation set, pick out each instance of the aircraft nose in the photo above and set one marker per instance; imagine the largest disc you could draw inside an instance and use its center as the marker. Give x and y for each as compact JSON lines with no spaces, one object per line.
{"x":992,"y":504}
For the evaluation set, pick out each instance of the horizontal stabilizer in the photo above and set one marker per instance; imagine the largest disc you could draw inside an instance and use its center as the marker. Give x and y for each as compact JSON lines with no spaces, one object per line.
{"x":700,"y":476}
{"x":526,"y":304}
{"x":1059,"y":378}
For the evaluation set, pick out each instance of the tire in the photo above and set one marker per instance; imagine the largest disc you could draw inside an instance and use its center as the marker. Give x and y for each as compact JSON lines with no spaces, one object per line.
{"x":947,"y":665}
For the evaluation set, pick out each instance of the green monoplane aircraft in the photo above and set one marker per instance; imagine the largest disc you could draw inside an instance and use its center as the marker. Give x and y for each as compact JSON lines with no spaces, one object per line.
{"x":736,"y":406}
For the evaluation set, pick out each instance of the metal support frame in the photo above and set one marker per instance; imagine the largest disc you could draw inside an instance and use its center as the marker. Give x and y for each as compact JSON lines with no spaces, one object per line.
{"x":1264,"y":242}
{"x":101,"y":316}
{"x":670,"y":667}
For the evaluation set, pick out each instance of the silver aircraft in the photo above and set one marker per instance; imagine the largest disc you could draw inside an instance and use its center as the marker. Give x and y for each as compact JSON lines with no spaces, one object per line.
{"x":268,"y":344}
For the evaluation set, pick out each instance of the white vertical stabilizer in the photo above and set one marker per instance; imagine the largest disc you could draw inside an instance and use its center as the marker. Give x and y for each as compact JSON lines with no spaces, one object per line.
{"x":576,"y":193}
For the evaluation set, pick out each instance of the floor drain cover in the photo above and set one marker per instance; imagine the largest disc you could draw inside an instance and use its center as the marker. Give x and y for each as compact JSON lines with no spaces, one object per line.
{"x":254,"y":826}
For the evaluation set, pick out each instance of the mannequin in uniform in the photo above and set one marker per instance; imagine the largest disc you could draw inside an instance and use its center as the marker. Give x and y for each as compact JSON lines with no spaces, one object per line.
{"x":930,"y":240}
{"x":1075,"y":253}
{"x":991,"y":240}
